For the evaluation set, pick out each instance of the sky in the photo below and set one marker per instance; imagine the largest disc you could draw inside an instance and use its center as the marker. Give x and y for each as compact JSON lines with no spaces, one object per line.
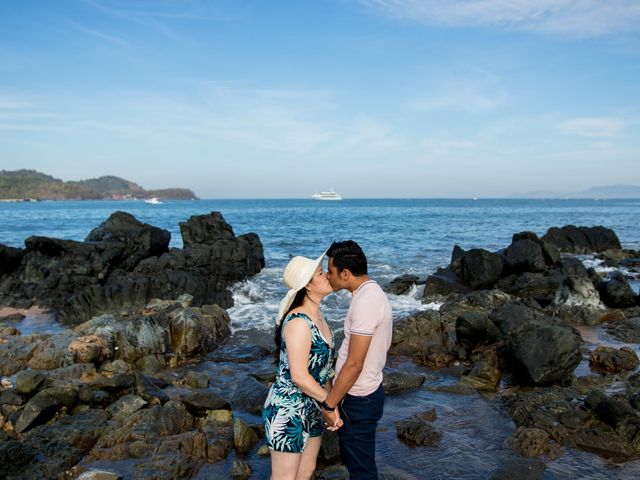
{"x":281,"y":99}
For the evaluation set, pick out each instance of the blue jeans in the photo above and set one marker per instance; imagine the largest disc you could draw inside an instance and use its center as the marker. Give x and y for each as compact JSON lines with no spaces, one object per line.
{"x":358,"y":434}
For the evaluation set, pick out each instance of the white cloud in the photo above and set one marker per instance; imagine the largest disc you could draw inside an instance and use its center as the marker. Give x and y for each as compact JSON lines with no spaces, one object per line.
{"x":581,"y":18}
{"x":592,"y":126}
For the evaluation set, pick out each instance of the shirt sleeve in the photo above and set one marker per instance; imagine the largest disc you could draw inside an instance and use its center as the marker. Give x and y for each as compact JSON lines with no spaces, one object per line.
{"x":366,"y":315}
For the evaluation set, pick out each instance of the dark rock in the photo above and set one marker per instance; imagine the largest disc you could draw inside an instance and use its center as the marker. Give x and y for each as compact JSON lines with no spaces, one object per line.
{"x":14,"y":456}
{"x":241,"y":470}
{"x":481,"y":268}
{"x":199,"y":402}
{"x":612,"y":359}
{"x":247,"y":395}
{"x":601,"y":441}
{"x":474,"y":328}
{"x":616,"y":292}
{"x":541,"y":287}
{"x":571,"y":239}
{"x":417,"y":332}
{"x":330,"y":447}
{"x":532,"y":442}
{"x":125,"y":406}
{"x":443,"y":283}
{"x":627,"y":331}
{"x":573,"y":418}
{"x":396,"y":382}
{"x":525,"y":255}
{"x":401,"y":285}
{"x":485,"y":374}
{"x":10,"y":259}
{"x":176,"y":456}
{"x":417,"y":430}
{"x":521,"y":469}
{"x":44,"y":406}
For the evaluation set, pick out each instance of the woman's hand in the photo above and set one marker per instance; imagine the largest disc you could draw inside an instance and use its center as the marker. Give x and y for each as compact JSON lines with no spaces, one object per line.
{"x":332,"y":420}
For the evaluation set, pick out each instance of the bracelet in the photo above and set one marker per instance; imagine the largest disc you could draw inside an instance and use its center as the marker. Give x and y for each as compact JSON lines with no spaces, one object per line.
{"x":326,"y":406}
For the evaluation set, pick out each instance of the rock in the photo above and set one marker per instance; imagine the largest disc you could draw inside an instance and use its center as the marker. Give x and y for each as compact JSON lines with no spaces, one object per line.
{"x":334,"y":472}
{"x":29,"y":381}
{"x":612,"y":359}
{"x":198,"y":330}
{"x":481,"y":268}
{"x":525,"y":255}
{"x":548,"y":352}
{"x":612,"y":411}
{"x":475,"y":328}
{"x":244,"y":437}
{"x":125,"y":406}
{"x":329,"y":447}
{"x":147,"y":387}
{"x":541,"y":287}
{"x":44,"y":406}
{"x":571,"y":239}
{"x":417,"y":332}
{"x":442,"y":284}
{"x":197,"y":379}
{"x":247,"y":395}
{"x":627,"y":331}
{"x":199,"y":402}
{"x":520,"y":468}
{"x":401,"y":285}
{"x":573,"y":418}
{"x":434,"y":356}
{"x":616,"y":292}
{"x":177,"y":456}
{"x":241,"y":470}
{"x":90,"y":349}
{"x":14,"y":456}
{"x":602,"y":442}
{"x":532,"y":442}
{"x":10,"y":259}
{"x":485,"y":374}
{"x":417,"y":430}
{"x":396,"y":382}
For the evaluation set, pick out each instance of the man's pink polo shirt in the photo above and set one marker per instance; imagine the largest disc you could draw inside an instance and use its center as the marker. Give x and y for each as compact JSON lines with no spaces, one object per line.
{"x":369,"y":314}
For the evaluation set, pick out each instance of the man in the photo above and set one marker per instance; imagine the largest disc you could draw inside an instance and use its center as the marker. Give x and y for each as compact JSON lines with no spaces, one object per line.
{"x":357,"y":388}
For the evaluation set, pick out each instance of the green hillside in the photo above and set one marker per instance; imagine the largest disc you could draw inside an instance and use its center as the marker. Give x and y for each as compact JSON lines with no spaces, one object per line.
{"x":30,"y":184}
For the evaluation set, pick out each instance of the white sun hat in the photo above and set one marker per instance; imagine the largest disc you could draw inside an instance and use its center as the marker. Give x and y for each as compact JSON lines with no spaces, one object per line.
{"x":297,"y":274}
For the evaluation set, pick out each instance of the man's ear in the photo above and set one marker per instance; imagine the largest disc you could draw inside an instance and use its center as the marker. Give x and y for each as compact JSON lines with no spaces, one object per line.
{"x":346,"y":274}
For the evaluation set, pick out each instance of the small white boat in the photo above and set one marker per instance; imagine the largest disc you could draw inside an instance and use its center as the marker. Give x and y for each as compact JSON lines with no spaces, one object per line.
{"x":153,"y":200}
{"x":330,"y":195}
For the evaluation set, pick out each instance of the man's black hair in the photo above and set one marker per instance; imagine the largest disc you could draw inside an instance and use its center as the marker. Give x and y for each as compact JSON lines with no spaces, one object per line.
{"x":349,"y":255}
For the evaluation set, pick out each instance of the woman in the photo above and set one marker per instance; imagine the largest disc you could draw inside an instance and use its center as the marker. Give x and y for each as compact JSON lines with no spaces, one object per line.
{"x":304,"y":346}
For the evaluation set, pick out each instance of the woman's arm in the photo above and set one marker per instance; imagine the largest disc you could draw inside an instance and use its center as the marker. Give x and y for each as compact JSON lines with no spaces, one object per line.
{"x":298,"y":339}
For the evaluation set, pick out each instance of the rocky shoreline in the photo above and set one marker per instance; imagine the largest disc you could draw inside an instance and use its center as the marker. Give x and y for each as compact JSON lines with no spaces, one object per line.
{"x":148,"y":382}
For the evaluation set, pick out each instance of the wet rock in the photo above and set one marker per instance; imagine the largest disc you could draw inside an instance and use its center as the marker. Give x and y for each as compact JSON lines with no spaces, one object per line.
{"x":613,"y":411}
{"x":627,"y":331}
{"x":601,"y":441}
{"x":198,"y":330}
{"x":72,"y":373}
{"x":616,"y":292}
{"x":29,"y":381}
{"x":573,"y":418}
{"x":10,"y":259}
{"x":416,"y":333}
{"x":541,"y":287}
{"x":532,"y":442}
{"x":90,"y":349}
{"x":197,"y":379}
{"x":334,"y":472}
{"x":401,"y":285}
{"x":50,"y":352}
{"x":612,"y":359}
{"x":199,"y":402}
{"x":485,"y":374}
{"x":241,"y":470}
{"x":147,"y":387}
{"x":10,"y":331}
{"x":329,"y":447}
{"x":435,"y":356}
{"x":244,"y":437}
{"x":418,"y":430}
{"x":396,"y":382}
{"x":247,"y":394}
{"x":481,"y":268}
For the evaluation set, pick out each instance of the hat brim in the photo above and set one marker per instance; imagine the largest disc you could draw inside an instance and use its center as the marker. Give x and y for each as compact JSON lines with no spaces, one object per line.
{"x":286,"y":302}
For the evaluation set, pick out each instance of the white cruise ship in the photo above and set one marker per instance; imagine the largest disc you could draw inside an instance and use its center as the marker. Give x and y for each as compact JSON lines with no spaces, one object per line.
{"x":330,"y":195}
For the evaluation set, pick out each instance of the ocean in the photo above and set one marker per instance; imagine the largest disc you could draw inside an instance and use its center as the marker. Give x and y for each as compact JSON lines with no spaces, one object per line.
{"x":399,"y":236}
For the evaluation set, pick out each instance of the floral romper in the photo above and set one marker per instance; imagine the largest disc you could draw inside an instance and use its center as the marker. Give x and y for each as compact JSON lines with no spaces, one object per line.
{"x":290,"y":417}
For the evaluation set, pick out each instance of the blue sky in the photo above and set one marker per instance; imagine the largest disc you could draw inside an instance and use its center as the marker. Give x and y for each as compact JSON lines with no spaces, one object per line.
{"x":374,"y":98}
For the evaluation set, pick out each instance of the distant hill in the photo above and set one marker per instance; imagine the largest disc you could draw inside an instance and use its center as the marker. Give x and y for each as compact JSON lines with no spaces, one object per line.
{"x":30,"y":184}
{"x":607,"y":191}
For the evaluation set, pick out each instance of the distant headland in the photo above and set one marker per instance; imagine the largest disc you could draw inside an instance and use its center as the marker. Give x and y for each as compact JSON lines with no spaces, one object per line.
{"x":32,"y":185}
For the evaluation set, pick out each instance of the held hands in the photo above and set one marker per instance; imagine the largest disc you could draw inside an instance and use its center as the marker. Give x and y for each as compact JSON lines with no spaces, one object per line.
{"x":332,"y":420}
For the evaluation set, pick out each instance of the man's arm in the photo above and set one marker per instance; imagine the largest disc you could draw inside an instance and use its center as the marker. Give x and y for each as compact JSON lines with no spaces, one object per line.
{"x":358,"y":348}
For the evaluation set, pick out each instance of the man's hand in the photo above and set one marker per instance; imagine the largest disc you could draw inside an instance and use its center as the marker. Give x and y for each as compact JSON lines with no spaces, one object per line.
{"x":332,"y":420}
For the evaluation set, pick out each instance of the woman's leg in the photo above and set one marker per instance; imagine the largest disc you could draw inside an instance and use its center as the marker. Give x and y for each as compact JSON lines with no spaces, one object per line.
{"x":309,"y":456}
{"x":284,"y":465}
